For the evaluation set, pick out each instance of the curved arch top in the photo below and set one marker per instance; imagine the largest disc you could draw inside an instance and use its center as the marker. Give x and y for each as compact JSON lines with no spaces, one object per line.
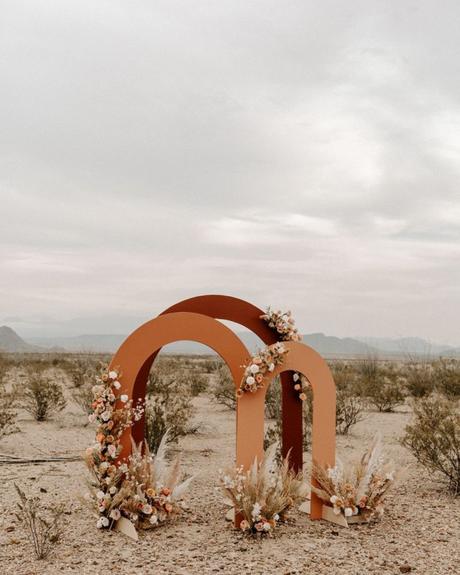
{"x":248,"y":315}
{"x":228,"y":308}
{"x":137,"y":349}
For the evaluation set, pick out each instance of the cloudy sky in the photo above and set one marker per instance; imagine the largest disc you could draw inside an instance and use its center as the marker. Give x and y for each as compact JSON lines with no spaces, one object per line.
{"x":297,"y":153}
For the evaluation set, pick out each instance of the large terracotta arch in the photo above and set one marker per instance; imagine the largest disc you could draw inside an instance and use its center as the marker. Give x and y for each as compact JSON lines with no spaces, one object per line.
{"x":136,"y":350}
{"x":248,"y":315}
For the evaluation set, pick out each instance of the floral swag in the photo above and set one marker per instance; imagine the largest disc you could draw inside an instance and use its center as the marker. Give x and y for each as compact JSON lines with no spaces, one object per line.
{"x":140,"y":489}
{"x":266,"y":360}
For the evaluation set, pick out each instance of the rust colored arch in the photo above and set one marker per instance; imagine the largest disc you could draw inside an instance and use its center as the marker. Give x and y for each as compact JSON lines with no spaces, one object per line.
{"x":248,"y":315}
{"x":251,"y":408}
{"x":136,"y":350}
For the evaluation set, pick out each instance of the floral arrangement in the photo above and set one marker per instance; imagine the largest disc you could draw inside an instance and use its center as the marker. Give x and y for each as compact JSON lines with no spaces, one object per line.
{"x":358,"y":490}
{"x":260,"y":365}
{"x":283,"y":323}
{"x":264,"y":494}
{"x":142,"y":488}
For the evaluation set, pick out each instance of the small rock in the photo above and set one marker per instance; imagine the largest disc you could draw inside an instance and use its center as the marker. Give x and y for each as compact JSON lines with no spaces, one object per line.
{"x":405,"y":568}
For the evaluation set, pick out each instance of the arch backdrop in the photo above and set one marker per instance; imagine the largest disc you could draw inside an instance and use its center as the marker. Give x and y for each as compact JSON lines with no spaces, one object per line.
{"x":196,"y":319}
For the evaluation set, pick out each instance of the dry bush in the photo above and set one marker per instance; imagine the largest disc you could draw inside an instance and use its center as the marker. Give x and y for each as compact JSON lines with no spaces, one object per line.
{"x":43,"y":531}
{"x":349,"y":404}
{"x":224,"y":389}
{"x":7,"y":412}
{"x":382,"y":385}
{"x":446,"y":373}
{"x":82,"y":370}
{"x":349,"y":411}
{"x":168,"y":408}
{"x":419,"y":378}
{"x":83,"y":397}
{"x":41,"y":396}
{"x":434,"y":438}
{"x":7,"y":401}
{"x":196,"y":382}
{"x":211,"y":365}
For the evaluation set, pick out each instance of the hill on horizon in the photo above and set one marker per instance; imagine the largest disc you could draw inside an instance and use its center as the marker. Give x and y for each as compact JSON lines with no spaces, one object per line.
{"x":329,"y":346}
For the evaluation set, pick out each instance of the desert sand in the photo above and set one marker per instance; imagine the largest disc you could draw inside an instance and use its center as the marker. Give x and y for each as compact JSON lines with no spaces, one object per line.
{"x":419,"y":532}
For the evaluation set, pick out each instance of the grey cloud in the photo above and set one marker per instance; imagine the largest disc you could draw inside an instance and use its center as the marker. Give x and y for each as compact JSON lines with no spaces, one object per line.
{"x":303,"y":154}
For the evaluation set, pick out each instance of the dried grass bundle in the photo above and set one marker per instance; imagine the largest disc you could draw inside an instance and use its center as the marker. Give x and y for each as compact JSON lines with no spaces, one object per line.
{"x":264,"y":494}
{"x":358,"y":489}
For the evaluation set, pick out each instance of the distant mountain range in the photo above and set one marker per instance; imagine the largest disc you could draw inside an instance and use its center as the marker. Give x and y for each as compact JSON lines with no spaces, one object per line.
{"x":328,"y":346}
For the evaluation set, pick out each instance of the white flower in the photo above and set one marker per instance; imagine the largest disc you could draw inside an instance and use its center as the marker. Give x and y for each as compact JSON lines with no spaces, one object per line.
{"x":113,"y":374}
{"x":256,"y":510}
{"x":100,"y":494}
{"x":116,"y":384}
{"x":348,"y":512}
{"x":112,"y":450}
{"x":271,"y":367}
{"x":99,"y":523}
{"x":276,"y":517}
{"x":115,"y":514}
{"x":336,"y":510}
{"x":295,"y":377}
{"x":106,"y":415}
{"x":154,"y":519}
{"x":113,"y":490}
{"x":334,"y":499}
{"x":254,"y":368}
{"x":103,"y":466}
{"x":250,"y":380}
{"x":124,"y":398}
{"x":267,"y":526}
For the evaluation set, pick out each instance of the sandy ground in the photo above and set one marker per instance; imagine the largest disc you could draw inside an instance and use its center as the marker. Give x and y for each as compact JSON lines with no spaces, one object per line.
{"x":420,"y":529}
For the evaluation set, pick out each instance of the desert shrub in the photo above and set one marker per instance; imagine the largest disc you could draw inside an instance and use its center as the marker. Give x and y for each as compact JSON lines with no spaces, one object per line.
{"x":41,"y":396}
{"x":434,"y":438}
{"x":446,"y":374}
{"x":419,"y":379}
{"x":43,"y":527}
{"x":273,"y":400}
{"x":211,"y":365}
{"x":368,"y":374}
{"x":82,"y":371}
{"x":168,"y":413}
{"x":7,"y":411}
{"x":196,"y":382}
{"x":383,"y":386}
{"x":348,"y":412}
{"x":83,"y":396}
{"x":349,"y":403}
{"x":168,"y":408}
{"x":224,"y":389}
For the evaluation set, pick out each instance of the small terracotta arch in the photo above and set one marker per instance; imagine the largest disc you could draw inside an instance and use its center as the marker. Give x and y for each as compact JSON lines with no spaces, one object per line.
{"x":251,"y":410}
{"x":248,"y":315}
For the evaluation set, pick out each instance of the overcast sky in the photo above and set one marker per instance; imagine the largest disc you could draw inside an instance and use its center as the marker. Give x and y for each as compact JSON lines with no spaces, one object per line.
{"x":302,"y":154}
